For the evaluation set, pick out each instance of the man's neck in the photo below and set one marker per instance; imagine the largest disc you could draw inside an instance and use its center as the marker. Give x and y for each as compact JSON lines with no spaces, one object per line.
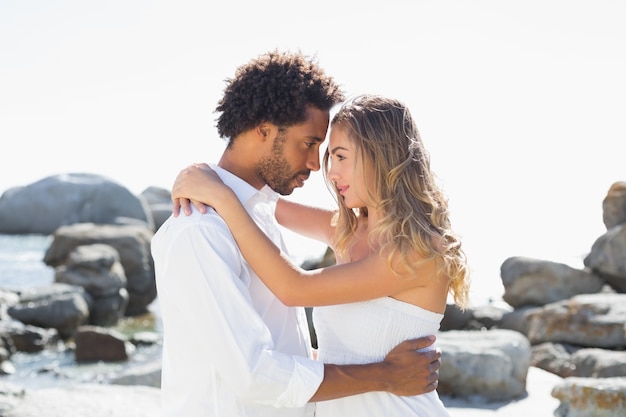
{"x":240,"y":165}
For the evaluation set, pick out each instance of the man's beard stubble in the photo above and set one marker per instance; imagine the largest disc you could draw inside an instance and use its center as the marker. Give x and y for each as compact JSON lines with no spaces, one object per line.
{"x":275,"y":170}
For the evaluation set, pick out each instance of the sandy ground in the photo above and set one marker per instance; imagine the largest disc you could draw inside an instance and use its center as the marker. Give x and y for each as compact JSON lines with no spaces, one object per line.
{"x":537,"y":403}
{"x":89,"y":400}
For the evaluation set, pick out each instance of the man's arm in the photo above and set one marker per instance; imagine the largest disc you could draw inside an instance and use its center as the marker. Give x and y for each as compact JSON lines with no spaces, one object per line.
{"x":404,"y":371}
{"x":211,"y":324}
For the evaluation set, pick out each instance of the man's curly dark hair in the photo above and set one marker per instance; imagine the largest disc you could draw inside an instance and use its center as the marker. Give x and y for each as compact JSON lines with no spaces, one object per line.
{"x":275,"y":87}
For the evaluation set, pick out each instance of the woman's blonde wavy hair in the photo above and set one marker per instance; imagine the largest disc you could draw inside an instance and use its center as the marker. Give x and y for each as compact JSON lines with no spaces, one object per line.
{"x":414,"y":215}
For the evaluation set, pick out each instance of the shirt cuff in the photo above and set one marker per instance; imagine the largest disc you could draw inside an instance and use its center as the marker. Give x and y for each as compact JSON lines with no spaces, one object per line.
{"x":305,"y":380}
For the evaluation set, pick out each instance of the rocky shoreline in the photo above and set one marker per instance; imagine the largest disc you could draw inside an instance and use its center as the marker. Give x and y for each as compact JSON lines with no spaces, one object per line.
{"x":565,"y":321}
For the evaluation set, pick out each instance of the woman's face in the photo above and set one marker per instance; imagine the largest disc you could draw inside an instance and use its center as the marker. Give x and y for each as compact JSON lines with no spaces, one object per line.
{"x":346,"y":169}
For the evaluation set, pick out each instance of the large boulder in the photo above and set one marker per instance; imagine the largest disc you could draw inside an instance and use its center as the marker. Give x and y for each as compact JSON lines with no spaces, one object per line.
{"x":64,"y":199}
{"x":590,"y":320}
{"x":99,"y":344}
{"x":132,"y":242}
{"x":57,"y":306}
{"x":97,"y":269}
{"x":492,"y":364}
{"x":591,"y":397}
{"x":607,"y":257}
{"x":614,"y":205}
{"x":536,"y":282}
{"x":159,"y":201}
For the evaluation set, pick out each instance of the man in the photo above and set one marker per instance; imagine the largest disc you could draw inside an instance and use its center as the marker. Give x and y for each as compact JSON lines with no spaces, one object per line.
{"x":231,"y":348}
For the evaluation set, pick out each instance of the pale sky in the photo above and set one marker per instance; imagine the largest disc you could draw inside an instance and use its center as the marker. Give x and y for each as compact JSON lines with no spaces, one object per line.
{"x":522,"y":104}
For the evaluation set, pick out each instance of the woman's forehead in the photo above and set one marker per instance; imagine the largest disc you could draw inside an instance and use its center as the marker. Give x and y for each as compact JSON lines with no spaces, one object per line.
{"x":339,"y":137}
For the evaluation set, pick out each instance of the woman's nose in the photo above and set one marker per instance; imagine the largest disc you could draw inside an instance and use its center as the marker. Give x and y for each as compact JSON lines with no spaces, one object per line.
{"x":332,"y":174}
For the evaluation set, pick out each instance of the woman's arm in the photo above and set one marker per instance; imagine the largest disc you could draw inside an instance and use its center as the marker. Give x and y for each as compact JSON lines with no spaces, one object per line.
{"x":317,"y":225}
{"x":357,"y":281}
{"x":288,"y":213}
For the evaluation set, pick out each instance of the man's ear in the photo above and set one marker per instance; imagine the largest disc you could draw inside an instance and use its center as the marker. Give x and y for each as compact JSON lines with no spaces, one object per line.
{"x":263,"y":131}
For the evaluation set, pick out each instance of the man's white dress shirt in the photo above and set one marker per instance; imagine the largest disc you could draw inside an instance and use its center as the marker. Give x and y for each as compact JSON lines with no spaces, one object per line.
{"x":231,"y":348}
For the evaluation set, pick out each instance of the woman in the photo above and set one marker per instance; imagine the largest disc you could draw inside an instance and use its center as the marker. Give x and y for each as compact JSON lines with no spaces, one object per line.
{"x":397,"y":257}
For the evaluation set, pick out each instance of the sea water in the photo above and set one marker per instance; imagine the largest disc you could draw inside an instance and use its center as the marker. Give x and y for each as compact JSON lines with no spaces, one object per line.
{"x":21,"y":261}
{"x":22,"y":267}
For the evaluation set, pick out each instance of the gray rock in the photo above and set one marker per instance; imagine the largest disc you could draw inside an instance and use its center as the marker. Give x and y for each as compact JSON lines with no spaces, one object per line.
{"x":607,"y":257}
{"x":614,"y":205}
{"x":590,"y":320}
{"x":492,"y":364}
{"x":58,"y":306}
{"x":95,"y":344}
{"x":159,"y":201}
{"x":555,"y":358}
{"x":590,"y":397}
{"x":599,"y":363}
{"x":96,"y":268}
{"x":44,"y":206}
{"x":455,"y":319}
{"x":529,"y":281}
{"x":160,"y":213}
{"x":110,"y":309}
{"x":157,"y":195}
{"x":132,"y":243}
{"x":27,"y":338}
{"x":489,"y":316}
{"x":517,"y":319}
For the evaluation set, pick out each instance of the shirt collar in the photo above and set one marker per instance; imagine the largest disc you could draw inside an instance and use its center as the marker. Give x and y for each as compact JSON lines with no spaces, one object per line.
{"x":244,"y":191}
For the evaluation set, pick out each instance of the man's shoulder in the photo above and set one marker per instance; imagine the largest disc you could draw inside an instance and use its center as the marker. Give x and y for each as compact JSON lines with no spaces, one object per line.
{"x":209,"y":224}
{"x":182,"y":238}
{"x":196,"y":217}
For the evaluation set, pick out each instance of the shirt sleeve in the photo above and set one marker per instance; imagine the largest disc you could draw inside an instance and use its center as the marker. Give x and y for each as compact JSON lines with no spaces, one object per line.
{"x":203,"y":287}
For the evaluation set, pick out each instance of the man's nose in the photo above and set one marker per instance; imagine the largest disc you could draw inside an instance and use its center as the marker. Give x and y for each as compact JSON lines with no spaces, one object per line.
{"x":313,"y":163}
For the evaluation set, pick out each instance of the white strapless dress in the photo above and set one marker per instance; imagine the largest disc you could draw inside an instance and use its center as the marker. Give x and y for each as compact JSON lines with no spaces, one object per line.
{"x":365,"y":332}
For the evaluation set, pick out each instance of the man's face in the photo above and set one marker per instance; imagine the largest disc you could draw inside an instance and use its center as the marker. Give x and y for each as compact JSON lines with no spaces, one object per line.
{"x":294,"y":153}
